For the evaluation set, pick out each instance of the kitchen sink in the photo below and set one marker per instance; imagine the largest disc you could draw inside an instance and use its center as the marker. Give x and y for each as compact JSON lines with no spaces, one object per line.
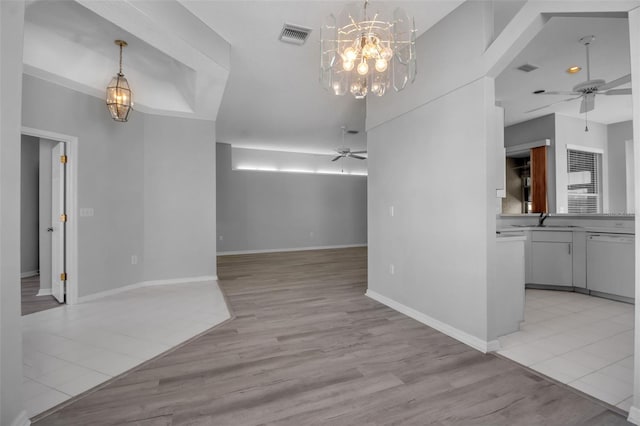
{"x":557,"y":226}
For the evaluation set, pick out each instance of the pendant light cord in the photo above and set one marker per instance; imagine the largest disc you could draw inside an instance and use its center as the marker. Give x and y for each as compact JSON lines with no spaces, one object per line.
{"x":120,"y":73}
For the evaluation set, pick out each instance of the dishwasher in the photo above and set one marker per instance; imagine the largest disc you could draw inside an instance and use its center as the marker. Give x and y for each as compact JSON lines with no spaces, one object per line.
{"x":611,"y":264}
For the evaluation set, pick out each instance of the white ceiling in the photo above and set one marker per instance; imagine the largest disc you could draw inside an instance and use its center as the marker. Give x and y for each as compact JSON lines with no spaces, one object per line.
{"x":72,"y":43}
{"x":272,"y":98}
{"x":555,"y":49}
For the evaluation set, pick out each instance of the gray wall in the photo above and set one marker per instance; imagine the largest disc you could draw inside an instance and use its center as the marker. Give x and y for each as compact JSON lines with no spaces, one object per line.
{"x":29,"y":204}
{"x":179,"y":198}
{"x":440,"y":178}
{"x":118,"y":162}
{"x":570,"y":131}
{"x":535,"y":130}
{"x":45,"y":212}
{"x":110,"y":180}
{"x":11,"y":27}
{"x":617,"y":134}
{"x":269,"y":210}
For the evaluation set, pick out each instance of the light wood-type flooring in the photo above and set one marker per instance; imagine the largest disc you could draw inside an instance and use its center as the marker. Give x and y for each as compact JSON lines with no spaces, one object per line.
{"x":32,"y":303}
{"x":307,"y":347}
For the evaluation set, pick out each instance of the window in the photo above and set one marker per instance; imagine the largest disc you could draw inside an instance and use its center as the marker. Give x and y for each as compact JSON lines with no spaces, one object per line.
{"x":584,"y":189}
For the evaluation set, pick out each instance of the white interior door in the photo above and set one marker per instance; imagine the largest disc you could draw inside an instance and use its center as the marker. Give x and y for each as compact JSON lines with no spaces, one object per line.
{"x":58,"y":219}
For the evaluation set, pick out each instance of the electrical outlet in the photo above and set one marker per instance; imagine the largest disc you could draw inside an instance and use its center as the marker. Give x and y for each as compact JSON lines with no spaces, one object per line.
{"x":221,"y":238}
{"x":134,"y":259}
{"x":86,"y":211}
{"x":392,"y":211}
{"x":311,"y":234}
{"x":392,"y":269}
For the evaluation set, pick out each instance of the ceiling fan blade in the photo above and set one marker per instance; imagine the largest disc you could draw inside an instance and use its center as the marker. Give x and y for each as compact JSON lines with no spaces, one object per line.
{"x":618,"y":92}
{"x":559,"y":102}
{"x":615,"y":83}
{"x":358,"y":157}
{"x":555,"y":92}
{"x":588,"y":103}
{"x":337,"y":158}
{"x":359,"y":152}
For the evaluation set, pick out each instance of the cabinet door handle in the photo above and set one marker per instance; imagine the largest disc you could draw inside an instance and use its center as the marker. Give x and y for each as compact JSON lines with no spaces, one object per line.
{"x":569,"y":248}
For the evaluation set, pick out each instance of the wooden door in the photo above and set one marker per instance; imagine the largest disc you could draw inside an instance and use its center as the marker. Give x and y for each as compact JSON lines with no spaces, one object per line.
{"x":539,"y":180}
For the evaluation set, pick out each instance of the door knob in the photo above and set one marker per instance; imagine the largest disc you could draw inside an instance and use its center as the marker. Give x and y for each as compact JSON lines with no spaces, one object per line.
{"x":49,"y":229}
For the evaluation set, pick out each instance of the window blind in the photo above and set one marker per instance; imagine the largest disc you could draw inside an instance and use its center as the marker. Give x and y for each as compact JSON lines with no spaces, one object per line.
{"x":584,"y":189}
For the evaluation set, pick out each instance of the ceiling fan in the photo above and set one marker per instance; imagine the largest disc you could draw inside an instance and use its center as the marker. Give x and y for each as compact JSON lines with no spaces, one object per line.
{"x":346,"y":152}
{"x":588,"y":90}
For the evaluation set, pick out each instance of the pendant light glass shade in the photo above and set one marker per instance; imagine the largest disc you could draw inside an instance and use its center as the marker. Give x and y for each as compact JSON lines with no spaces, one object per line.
{"x":119,"y":95}
{"x":361,"y":52}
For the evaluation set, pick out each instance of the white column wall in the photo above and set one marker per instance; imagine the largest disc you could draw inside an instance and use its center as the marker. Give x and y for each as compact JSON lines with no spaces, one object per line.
{"x":634,"y":37}
{"x":11,"y":30}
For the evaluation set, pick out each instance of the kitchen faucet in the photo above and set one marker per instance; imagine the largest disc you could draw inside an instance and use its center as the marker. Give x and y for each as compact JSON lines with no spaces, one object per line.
{"x":542,"y":217}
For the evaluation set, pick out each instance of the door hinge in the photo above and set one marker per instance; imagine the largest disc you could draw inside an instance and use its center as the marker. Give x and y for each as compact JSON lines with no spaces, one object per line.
{"x":63,"y":276}
{"x":63,"y":159}
{"x":63,"y":218}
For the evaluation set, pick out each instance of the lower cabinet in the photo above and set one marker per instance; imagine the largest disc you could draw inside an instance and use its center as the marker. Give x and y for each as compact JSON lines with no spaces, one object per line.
{"x":552,"y":258}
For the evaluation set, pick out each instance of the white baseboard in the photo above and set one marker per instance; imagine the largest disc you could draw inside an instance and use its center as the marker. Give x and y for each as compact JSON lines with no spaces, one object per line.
{"x":101,"y":294}
{"x":493,"y":345}
{"x":29,"y":274}
{"x":278,"y":250}
{"x":45,"y":292}
{"x":21,"y":420}
{"x":634,"y":415}
{"x":464,"y":337}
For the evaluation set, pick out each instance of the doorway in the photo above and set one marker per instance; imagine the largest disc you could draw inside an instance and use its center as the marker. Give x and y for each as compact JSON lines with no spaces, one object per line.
{"x":42,"y":230}
{"x":55,"y":225}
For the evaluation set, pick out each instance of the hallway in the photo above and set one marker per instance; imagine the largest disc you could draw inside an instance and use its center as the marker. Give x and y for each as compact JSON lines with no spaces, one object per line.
{"x":307,"y":347}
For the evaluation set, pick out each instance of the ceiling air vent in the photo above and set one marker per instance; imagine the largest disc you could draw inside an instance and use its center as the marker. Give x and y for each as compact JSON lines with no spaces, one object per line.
{"x":527,"y":67}
{"x":294,"y":34}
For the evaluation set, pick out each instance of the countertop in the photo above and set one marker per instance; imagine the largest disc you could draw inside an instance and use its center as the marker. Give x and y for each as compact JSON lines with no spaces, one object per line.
{"x":608,"y":230}
{"x":504,"y":238}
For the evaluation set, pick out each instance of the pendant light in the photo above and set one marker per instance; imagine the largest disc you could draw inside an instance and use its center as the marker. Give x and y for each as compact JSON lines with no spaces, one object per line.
{"x":119,"y":95}
{"x":363,"y":53}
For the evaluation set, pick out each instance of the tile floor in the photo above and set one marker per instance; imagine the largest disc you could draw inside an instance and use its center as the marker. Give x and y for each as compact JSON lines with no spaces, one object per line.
{"x":69,"y":350}
{"x":583,"y":341}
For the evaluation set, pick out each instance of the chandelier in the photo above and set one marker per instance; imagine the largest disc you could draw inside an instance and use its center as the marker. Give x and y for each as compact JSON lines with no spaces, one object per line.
{"x":361,"y":53}
{"x":119,"y":95}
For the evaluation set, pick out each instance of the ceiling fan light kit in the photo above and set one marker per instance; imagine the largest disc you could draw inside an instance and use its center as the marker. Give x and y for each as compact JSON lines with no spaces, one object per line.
{"x":362,"y":53}
{"x":587,"y":90}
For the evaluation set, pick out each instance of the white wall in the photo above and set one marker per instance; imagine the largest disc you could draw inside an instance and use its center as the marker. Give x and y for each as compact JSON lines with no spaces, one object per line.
{"x":45,"y":213}
{"x":11,"y":29}
{"x":29,"y":241}
{"x":110,"y":180}
{"x":267,"y":210}
{"x":179,"y":198}
{"x":617,"y":135}
{"x":570,"y":131}
{"x":246,"y":159}
{"x":150,"y":183}
{"x":449,"y":55}
{"x":439,"y":177}
{"x":634,"y":38}
{"x":435,"y":177}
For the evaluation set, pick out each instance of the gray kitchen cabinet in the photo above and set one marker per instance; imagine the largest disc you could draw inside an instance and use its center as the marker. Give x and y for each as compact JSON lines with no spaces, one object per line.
{"x":552,"y":258}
